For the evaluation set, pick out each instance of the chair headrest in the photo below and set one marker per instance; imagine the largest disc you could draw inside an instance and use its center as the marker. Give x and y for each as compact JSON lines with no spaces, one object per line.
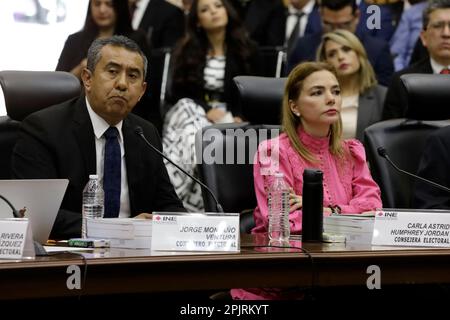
{"x":428,"y":96}
{"x":260,"y":98}
{"x":28,"y":91}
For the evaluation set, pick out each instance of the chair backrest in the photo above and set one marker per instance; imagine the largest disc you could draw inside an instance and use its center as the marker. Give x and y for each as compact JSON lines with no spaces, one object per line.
{"x":428,"y":96}
{"x":225,"y":154}
{"x":29,"y":91}
{"x":404,"y":141}
{"x":260,"y":98}
{"x":26,"y":92}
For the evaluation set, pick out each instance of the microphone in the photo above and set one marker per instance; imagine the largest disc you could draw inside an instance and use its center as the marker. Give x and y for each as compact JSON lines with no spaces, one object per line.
{"x":382,"y":153}
{"x":138,"y":130}
{"x":14,"y":211}
{"x":38,"y":248}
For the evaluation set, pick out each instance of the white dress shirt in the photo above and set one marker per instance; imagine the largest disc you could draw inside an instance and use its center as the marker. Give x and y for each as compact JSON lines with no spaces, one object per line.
{"x":292,"y":19}
{"x":141,"y":6}
{"x":100,"y":126}
{"x":437,"y":68}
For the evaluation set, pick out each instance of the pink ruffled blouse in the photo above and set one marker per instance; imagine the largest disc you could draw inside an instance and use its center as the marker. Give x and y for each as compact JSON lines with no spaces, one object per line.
{"x":346,"y":182}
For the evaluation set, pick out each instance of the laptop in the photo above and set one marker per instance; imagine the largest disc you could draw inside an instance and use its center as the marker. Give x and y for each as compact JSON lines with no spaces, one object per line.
{"x":41,"y":198}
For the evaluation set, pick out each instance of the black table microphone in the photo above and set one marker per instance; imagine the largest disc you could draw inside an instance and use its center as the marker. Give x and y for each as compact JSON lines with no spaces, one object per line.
{"x":14,"y":211}
{"x":312,"y":211}
{"x":382,"y":153}
{"x":138,"y":130}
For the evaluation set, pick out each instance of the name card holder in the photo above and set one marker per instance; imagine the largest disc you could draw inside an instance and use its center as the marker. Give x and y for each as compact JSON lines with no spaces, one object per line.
{"x":175,"y":231}
{"x":412,"y":228}
{"x":16,"y":239}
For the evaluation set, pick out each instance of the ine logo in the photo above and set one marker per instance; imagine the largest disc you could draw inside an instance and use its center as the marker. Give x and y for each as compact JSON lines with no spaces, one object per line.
{"x":74,"y":280}
{"x":374,"y":280}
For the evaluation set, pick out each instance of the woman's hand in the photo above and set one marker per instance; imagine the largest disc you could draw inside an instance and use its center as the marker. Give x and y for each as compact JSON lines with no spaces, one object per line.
{"x":295,"y":201}
{"x":215,"y":114}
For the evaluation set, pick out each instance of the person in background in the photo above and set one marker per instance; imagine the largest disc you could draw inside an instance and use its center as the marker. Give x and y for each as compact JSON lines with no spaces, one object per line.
{"x":406,"y":35}
{"x":311,"y":138}
{"x":96,"y":133}
{"x":214,"y":50}
{"x":104,"y":18}
{"x":435,"y":36}
{"x":434,"y":166}
{"x":362,"y":97}
{"x":162,"y":21}
{"x":344,"y":14}
{"x":271,"y":22}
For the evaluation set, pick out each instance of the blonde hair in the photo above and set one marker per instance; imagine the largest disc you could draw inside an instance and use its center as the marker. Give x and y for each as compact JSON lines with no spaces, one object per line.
{"x":291,"y":122}
{"x":366,"y":75}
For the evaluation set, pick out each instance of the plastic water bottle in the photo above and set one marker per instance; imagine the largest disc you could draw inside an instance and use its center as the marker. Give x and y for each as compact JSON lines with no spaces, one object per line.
{"x":278,"y":203}
{"x":93,"y":202}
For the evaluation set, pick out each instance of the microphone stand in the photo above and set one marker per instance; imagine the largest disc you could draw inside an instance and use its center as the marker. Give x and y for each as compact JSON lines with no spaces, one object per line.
{"x":138,"y":130}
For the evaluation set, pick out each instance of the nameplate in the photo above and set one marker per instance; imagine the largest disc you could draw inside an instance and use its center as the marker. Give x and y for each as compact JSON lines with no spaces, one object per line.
{"x":424,"y":228}
{"x":195,"y":232}
{"x":16,"y":239}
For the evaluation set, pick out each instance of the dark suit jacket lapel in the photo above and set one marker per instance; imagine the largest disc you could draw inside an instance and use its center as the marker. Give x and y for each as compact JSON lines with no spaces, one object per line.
{"x":133,"y":158}
{"x":84,"y":133}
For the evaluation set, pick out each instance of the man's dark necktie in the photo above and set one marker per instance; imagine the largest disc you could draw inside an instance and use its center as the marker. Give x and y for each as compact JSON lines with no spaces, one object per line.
{"x":112,"y":173}
{"x":445,"y":71}
{"x":294,"y":34}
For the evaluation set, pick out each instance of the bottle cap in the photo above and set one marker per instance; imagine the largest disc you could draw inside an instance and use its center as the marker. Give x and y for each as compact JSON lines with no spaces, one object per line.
{"x":93,"y":176}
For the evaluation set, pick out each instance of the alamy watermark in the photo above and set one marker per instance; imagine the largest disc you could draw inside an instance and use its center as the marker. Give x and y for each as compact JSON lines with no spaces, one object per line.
{"x":230,"y":147}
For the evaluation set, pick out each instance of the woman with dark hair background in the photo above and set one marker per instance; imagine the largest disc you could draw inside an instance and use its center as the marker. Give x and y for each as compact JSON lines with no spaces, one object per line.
{"x":215,"y":49}
{"x":105,"y":18}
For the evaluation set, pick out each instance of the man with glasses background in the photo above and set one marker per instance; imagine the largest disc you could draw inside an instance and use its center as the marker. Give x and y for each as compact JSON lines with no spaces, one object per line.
{"x":344,"y":14}
{"x":435,"y":37}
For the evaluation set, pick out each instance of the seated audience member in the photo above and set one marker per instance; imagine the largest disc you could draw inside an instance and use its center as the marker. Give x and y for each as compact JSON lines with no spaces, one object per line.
{"x":271,"y":23}
{"x":106,"y":18}
{"x":406,"y":35}
{"x":71,"y":140}
{"x":435,"y":37}
{"x":434,"y":166}
{"x":161,"y":20}
{"x":362,"y":98}
{"x":214,"y":50}
{"x":344,"y":14}
{"x":311,"y":138}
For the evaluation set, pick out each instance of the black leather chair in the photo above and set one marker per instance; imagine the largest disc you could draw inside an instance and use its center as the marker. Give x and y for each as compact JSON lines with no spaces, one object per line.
{"x":225,"y":154}
{"x":428,"y":96}
{"x":404,"y":139}
{"x":26,"y":92}
{"x":260,"y":98}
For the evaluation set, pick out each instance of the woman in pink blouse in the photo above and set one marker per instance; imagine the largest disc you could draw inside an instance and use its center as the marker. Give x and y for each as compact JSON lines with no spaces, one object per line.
{"x":311,"y":138}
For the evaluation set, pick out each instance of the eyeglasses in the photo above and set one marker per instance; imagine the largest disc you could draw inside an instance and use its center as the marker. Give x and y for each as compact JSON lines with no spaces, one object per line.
{"x":439,"y":25}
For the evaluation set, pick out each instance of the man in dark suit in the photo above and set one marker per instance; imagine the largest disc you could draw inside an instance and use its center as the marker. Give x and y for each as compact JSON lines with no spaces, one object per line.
{"x":435,"y":36}
{"x":434,"y":166}
{"x":344,"y":14}
{"x":266,"y":20}
{"x":71,"y":140}
{"x":162,"y":21}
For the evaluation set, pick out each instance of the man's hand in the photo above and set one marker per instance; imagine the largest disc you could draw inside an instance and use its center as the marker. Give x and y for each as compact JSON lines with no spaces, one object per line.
{"x":144,"y":215}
